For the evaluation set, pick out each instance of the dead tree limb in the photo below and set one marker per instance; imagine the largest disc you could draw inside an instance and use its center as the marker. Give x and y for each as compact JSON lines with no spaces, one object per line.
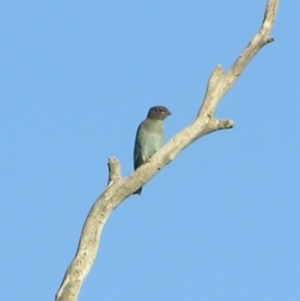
{"x":119,"y":188}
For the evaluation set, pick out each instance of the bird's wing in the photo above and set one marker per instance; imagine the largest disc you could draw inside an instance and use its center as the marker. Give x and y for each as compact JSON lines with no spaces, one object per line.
{"x":137,"y":153}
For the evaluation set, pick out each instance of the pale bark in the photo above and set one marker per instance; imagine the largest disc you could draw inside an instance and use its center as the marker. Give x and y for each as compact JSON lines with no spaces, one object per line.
{"x":119,"y":188}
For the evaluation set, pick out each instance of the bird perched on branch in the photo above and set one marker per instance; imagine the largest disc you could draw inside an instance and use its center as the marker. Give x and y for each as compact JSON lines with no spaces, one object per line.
{"x":149,"y":136}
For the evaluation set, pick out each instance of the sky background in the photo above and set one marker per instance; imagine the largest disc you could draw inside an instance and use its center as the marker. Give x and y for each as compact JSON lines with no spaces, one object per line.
{"x":221,"y":222}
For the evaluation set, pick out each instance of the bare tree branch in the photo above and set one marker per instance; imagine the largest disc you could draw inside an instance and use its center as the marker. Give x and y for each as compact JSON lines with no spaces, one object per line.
{"x":119,"y":188}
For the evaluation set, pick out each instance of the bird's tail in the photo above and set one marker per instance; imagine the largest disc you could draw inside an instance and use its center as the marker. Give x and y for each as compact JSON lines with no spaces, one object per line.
{"x":139,"y":191}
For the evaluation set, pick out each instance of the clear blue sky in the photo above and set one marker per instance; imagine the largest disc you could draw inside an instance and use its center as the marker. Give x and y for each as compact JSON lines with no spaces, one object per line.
{"x":219,"y":223}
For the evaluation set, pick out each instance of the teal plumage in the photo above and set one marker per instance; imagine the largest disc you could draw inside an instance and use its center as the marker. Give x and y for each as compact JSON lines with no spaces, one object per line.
{"x":149,"y":137}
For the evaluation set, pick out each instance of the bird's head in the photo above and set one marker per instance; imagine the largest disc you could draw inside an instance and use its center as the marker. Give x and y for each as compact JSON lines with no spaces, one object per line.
{"x":158,"y":113}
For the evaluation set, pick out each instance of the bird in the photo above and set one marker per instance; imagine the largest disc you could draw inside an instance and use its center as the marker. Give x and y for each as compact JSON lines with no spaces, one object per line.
{"x":149,"y":137}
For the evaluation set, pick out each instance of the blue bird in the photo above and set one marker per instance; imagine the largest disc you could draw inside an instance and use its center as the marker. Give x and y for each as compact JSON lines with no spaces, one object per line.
{"x":149,"y":136}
